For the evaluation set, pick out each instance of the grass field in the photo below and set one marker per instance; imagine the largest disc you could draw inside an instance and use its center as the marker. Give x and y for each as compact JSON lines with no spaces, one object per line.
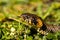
{"x":48,"y":10}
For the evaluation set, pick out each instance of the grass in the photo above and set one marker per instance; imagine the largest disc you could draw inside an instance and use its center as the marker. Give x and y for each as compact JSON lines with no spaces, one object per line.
{"x":17,"y":30}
